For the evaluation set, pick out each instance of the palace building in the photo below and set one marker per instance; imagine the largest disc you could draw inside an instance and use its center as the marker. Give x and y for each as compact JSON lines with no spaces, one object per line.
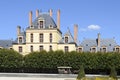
{"x":44,"y":33}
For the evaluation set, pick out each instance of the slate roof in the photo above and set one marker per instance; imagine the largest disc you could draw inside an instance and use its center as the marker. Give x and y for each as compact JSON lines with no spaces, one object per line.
{"x":70,"y":39}
{"x":5,"y":43}
{"x":88,"y":43}
{"x":48,"y":21}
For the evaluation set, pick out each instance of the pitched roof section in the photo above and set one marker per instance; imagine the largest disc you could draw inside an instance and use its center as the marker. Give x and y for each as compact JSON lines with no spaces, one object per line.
{"x":70,"y":37}
{"x":88,"y":43}
{"x":5,"y":43}
{"x":48,"y":21}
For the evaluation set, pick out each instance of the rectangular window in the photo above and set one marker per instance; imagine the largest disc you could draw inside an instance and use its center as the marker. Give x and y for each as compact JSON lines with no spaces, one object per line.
{"x":31,"y":37}
{"x":41,"y":24}
{"x":41,"y":48}
{"x":66,"y":48}
{"x":93,"y":50}
{"x":66,"y":39}
{"x":79,"y":49}
{"x":50,"y":37}
{"x":20,"y":49}
{"x":41,"y":38}
{"x":117,"y":49}
{"x":104,"y":49}
{"x":20,"y":39}
{"x":31,"y":48}
{"x":50,"y":48}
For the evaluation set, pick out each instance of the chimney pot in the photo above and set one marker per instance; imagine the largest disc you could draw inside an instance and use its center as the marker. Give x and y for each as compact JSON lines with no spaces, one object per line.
{"x":58,"y":19}
{"x":30,"y":18}
{"x":37,"y":13}
{"x":75,"y":32}
{"x":50,"y":12}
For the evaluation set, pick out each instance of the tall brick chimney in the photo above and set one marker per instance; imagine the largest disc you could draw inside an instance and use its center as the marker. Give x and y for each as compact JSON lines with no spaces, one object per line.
{"x":30,"y":18}
{"x":18,"y":30}
{"x":75,"y":32}
{"x":58,"y":19}
{"x":50,"y":12}
{"x":37,"y":13}
{"x":98,"y":39}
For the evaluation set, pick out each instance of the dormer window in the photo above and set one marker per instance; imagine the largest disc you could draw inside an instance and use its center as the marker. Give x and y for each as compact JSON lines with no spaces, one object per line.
{"x":40,"y":24}
{"x":93,"y":49}
{"x":103,"y":49}
{"x":117,"y":50}
{"x":80,"y":49}
{"x":20,"y":39}
{"x":66,"y":39}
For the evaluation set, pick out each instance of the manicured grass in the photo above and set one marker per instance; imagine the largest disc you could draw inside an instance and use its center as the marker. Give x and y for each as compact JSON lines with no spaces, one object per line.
{"x":98,"y":78}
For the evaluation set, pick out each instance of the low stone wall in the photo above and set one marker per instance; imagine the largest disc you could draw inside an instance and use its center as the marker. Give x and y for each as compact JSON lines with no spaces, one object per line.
{"x":26,"y":76}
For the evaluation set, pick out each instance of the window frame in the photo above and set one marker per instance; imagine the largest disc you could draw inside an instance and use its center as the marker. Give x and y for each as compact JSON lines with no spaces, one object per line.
{"x":41,"y":37}
{"x":66,"y":39}
{"x":20,"y":39}
{"x":41,"y":48}
{"x":50,"y":37}
{"x":31,"y":48}
{"x":20,"y":49}
{"x":66,"y":49}
{"x":31,"y":37}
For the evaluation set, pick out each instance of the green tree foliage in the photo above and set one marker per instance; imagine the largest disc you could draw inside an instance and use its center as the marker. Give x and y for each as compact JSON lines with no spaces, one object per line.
{"x":41,"y":61}
{"x":10,"y":59}
{"x":81,"y":73}
{"x":113,"y":73}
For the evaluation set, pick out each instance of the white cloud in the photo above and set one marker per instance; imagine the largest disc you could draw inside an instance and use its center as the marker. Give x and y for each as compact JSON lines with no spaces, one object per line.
{"x":94,"y":27}
{"x":91,"y":27}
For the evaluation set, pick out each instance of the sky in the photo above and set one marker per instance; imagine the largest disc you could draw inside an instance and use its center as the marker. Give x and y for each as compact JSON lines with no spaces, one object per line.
{"x":92,"y":16}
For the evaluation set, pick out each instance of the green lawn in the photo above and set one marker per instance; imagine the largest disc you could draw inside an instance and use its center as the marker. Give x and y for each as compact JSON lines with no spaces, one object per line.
{"x":99,"y":78}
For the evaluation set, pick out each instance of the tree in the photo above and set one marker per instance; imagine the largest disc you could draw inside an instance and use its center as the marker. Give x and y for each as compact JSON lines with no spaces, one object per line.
{"x":81,"y":73}
{"x":113,"y":73}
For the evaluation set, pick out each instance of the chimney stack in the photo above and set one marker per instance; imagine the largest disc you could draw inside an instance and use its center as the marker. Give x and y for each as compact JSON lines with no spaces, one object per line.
{"x":75,"y":32}
{"x":30,"y":18}
{"x":50,"y":12}
{"x":98,"y":39}
{"x":18,"y":30}
{"x":37,"y":13}
{"x":58,"y":19}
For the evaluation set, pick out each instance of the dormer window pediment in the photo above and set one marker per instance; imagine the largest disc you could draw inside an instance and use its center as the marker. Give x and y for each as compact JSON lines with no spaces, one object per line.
{"x":66,"y":38}
{"x":41,"y":23}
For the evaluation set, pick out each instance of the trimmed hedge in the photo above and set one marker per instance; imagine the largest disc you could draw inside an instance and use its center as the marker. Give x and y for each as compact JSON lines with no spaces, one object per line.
{"x":10,"y":61}
{"x":47,"y":62}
